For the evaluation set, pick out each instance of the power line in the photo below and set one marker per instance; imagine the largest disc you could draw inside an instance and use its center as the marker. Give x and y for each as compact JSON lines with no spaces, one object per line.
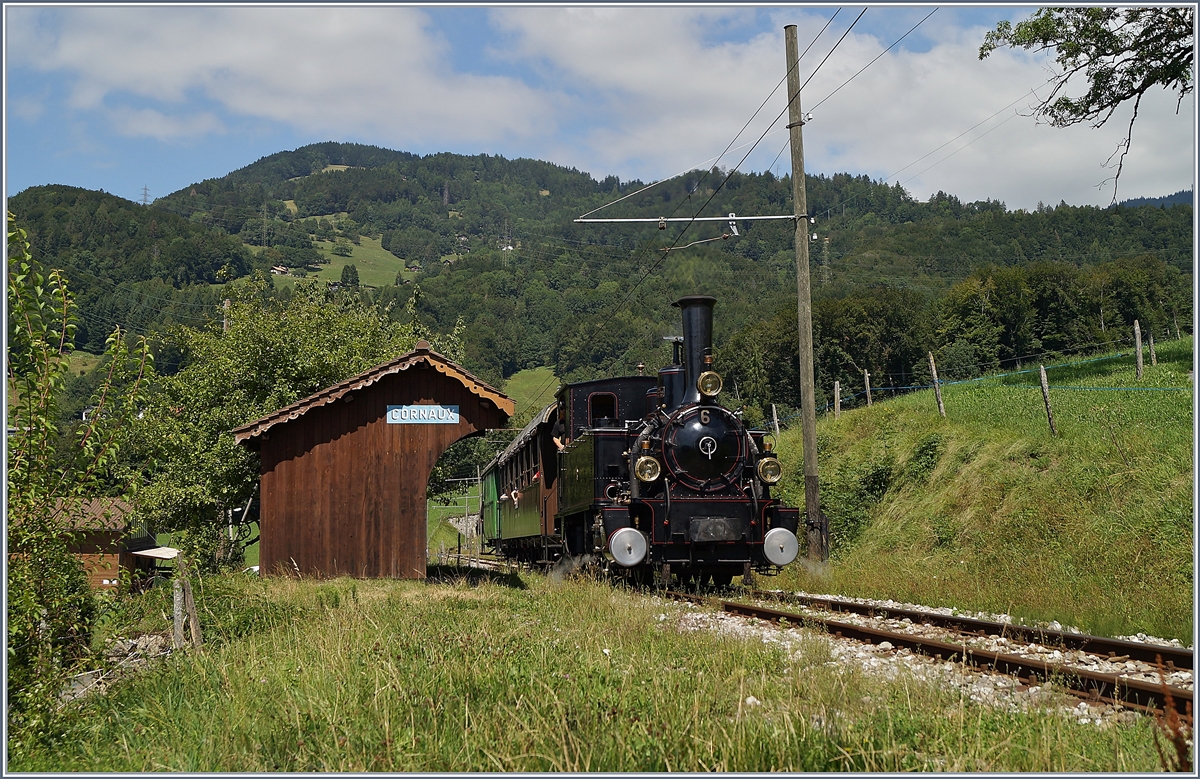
{"x":872,"y":62}
{"x":956,"y":151}
{"x":739,"y":132}
{"x":684,"y":229}
{"x":969,"y":129}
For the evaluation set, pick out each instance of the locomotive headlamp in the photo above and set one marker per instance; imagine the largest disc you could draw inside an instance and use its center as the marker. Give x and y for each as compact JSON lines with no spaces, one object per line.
{"x":769,"y":470}
{"x":647,"y":468}
{"x":709,"y":384}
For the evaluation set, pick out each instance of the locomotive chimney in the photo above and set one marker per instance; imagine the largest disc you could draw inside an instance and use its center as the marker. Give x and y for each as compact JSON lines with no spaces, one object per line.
{"x":697,"y":340}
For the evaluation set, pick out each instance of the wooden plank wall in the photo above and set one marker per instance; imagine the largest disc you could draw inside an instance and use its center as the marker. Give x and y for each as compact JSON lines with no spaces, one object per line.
{"x":343,"y":492}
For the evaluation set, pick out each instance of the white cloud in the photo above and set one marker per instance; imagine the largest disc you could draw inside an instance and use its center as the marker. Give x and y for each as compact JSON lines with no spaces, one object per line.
{"x":660,"y":100}
{"x":639,"y":92}
{"x":28,"y":108}
{"x":374,"y":72}
{"x":149,"y":123}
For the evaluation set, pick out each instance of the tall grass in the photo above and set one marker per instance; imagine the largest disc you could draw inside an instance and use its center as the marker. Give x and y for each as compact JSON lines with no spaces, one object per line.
{"x":533,"y":674}
{"x":987,"y":509}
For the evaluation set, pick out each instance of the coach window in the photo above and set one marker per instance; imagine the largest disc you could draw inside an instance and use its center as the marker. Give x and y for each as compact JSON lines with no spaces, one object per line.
{"x":603,"y":405}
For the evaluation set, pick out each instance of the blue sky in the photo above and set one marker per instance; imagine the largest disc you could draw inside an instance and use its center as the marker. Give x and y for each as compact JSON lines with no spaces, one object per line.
{"x":121,"y":98}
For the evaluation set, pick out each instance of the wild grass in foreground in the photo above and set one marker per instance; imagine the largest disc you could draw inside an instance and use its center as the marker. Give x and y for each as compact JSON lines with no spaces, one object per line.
{"x":533,"y":674}
{"x":988,"y":510}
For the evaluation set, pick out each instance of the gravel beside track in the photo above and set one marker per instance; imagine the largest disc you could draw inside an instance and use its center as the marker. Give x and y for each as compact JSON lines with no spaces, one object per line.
{"x":983,"y":686}
{"x":1123,"y":666}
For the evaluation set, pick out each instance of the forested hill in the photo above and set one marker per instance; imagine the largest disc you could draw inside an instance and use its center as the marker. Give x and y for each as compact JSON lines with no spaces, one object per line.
{"x":127,"y":264}
{"x":493,"y":243}
{"x":1182,"y":197}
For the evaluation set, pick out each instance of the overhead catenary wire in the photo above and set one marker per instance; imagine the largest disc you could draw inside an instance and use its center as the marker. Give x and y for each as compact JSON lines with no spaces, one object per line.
{"x":780,"y":115}
{"x":717,"y":159}
{"x":872,"y":62}
{"x":604,"y":323}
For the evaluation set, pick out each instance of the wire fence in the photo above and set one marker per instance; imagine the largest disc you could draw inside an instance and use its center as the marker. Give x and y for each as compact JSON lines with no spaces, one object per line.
{"x":855,"y":399}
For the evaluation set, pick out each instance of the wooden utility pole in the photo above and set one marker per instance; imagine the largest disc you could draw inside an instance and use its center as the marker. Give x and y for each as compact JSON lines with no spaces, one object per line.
{"x":775,"y":419}
{"x":817,"y":527}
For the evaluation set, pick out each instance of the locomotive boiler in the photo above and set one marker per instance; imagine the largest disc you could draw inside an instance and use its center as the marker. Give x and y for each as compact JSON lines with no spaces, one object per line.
{"x":653,"y":476}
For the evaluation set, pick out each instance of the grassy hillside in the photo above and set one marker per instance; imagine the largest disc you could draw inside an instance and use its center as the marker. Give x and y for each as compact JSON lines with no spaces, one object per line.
{"x":531,"y":389}
{"x":377,"y":267}
{"x":987,"y":510}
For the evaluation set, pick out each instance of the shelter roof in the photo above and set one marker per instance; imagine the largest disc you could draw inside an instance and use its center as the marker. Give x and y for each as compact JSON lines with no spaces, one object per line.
{"x":422,"y":355}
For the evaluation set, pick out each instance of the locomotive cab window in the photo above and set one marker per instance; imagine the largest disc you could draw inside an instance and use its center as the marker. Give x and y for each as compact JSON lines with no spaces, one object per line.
{"x":602,"y":405}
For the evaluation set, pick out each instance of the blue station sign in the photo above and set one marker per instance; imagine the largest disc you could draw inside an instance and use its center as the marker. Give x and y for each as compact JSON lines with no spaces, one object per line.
{"x":422,"y":415}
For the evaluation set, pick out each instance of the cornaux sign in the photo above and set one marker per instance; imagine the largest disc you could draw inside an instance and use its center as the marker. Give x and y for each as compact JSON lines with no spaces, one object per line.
{"x":422,"y":415}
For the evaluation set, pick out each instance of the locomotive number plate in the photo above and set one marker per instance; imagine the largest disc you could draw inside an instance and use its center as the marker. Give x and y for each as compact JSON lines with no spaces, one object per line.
{"x":422,"y":415}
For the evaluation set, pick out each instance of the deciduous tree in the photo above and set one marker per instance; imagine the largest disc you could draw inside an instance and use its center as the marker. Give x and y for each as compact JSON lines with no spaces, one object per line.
{"x":1123,"y":53}
{"x":50,"y":606}
{"x":274,"y":353}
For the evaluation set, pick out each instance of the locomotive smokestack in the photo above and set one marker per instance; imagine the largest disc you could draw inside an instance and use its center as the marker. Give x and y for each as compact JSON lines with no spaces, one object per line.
{"x":697,"y":340}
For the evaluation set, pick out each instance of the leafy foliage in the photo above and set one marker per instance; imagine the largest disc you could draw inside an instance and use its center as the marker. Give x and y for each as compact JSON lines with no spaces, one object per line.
{"x":997,"y":318}
{"x":1122,"y":52}
{"x":275,"y":352}
{"x":50,"y":606}
{"x":132,"y":266}
{"x":496,"y":244}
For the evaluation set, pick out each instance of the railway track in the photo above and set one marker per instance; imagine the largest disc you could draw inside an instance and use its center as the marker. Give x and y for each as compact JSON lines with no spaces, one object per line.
{"x":953,"y":643}
{"x":1173,"y":658}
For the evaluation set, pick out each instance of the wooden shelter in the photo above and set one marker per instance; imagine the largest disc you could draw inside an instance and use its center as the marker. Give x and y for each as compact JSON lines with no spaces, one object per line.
{"x":344,"y":471}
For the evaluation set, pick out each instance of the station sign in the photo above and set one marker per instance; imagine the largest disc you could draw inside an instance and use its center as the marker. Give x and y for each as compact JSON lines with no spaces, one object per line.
{"x":422,"y":415}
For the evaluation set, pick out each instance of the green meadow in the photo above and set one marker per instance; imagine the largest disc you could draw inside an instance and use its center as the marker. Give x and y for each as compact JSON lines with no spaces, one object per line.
{"x":987,"y":509}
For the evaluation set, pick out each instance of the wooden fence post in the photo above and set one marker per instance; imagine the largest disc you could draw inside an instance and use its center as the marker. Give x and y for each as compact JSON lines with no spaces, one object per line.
{"x":1046,"y":397}
{"x":775,"y":420}
{"x":867,"y":383}
{"x":1137,"y":347}
{"x":837,"y":400}
{"x":177,"y":612}
{"x":185,"y":607}
{"x":937,"y":387}
{"x":193,"y":618}
{"x":1153,"y":355}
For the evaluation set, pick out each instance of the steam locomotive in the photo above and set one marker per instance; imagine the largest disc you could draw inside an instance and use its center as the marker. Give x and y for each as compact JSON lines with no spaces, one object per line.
{"x":654,"y":477}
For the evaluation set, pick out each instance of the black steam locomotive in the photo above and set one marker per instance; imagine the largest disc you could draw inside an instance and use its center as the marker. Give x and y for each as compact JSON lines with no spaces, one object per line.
{"x":653,"y":475}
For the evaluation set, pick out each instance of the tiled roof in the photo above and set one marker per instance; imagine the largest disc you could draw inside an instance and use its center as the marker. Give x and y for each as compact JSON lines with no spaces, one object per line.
{"x":422,"y":354}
